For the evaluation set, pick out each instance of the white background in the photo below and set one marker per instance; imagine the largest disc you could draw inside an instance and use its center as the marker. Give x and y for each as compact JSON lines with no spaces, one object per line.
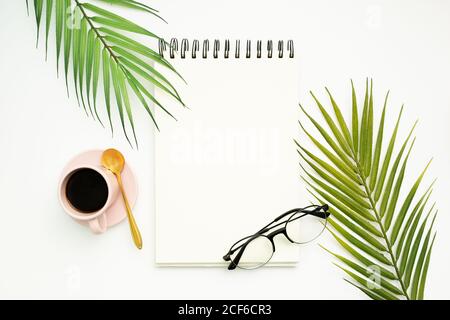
{"x":403,"y":45}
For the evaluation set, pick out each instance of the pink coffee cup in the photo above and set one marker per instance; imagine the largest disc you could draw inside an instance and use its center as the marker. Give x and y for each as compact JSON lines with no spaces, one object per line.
{"x":96,"y":220}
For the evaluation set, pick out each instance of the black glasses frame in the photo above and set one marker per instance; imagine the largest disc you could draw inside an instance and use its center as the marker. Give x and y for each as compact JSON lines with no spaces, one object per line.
{"x":314,"y":210}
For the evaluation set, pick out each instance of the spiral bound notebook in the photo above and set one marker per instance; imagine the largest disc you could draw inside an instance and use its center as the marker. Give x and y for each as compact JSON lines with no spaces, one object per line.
{"x":228,"y":166}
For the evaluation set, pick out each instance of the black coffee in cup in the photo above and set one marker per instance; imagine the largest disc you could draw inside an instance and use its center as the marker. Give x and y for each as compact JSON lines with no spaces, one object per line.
{"x":87,"y":190}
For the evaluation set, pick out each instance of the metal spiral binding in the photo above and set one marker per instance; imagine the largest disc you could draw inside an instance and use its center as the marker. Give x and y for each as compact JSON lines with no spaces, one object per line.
{"x":216,"y":49}
{"x":280,"y":49}
{"x":248,"y":50}
{"x":195,"y":48}
{"x":162,"y":47}
{"x":283,"y":50}
{"x":173,"y":48}
{"x":269,"y":49}
{"x":226,"y":53}
{"x":290,"y":47}
{"x":258,"y":49}
{"x":184,"y":48}
{"x":238,"y":49}
{"x":205,"y":49}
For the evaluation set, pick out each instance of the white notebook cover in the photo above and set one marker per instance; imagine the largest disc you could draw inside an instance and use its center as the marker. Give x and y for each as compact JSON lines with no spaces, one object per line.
{"x":229,"y":165}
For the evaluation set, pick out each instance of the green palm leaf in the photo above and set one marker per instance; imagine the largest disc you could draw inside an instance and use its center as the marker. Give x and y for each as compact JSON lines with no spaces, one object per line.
{"x":96,"y":46}
{"x":388,"y":239}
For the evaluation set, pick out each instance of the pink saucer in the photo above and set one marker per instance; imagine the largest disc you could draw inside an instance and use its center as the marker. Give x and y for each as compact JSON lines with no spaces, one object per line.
{"x":117,"y":212}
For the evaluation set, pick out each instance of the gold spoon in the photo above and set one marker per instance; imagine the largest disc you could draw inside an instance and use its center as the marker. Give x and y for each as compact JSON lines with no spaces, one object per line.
{"x":114,"y":161}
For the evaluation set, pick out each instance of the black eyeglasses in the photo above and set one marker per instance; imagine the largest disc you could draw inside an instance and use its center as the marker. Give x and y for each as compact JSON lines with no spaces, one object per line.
{"x":256,"y":250}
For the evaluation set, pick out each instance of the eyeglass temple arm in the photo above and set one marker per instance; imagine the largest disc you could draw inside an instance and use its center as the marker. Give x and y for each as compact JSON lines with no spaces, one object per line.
{"x":227,"y":257}
{"x":265,"y":228}
{"x":316,"y":212}
{"x":304,"y":210}
{"x":320,"y":212}
{"x":286,"y":214}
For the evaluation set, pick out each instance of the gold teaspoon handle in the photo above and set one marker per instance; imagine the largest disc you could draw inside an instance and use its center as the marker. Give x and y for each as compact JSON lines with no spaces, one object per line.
{"x":133,"y":225}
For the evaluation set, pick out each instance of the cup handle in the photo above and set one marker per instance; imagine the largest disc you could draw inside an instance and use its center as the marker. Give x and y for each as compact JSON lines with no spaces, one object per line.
{"x":98,"y":225}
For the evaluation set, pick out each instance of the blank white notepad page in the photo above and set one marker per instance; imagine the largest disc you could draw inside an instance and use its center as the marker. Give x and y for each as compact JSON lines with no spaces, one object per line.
{"x":228,"y":166}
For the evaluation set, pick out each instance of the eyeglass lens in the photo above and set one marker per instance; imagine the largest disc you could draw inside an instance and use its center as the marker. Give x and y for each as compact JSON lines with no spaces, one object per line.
{"x":255,"y":252}
{"x":302,"y":228}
